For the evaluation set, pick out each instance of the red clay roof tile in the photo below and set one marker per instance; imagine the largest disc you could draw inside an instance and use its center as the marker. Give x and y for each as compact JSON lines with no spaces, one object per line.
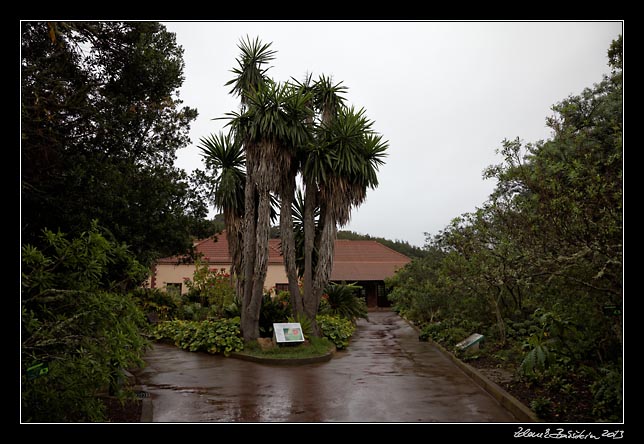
{"x":353,"y":260}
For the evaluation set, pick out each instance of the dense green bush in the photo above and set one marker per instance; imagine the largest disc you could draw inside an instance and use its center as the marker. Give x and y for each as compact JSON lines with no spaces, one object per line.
{"x":220,"y":336}
{"x":608,"y":390}
{"x":274,"y":309}
{"x":210,"y":287}
{"x":450,"y":331}
{"x":336,"y":329}
{"x":155,"y":303}
{"x":341,"y":300}
{"x":80,"y":328}
{"x":305,"y":323}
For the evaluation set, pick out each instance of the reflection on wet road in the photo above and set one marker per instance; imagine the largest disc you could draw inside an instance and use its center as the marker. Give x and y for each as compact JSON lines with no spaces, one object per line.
{"x":387,"y":375}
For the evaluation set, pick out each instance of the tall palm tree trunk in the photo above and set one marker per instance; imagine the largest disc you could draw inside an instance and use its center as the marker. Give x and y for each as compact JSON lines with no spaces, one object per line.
{"x":323,"y":268}
{"x":235,"y":244}
{"x":261,"y":259}
{"x":310,"y":194}
{"x":288,"y":244}
{"x":250,"y":328}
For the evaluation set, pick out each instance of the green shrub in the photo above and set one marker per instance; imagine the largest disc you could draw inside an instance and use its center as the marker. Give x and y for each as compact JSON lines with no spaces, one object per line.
{"x":341,"y":300}
{"x":155,"y":302}
{"x":274,"y":309}
{"x":233,"y":309}
{"x":541,"y":406}
{"x":220,"y":336}
{"x":338,"y":330}
{"x":305,"y":323}
{"x":210,"y":287}
{"x":79,"y":328}
{"x":449,"y":332}
{"x":607,"y":393}
{"x":194,"y":311}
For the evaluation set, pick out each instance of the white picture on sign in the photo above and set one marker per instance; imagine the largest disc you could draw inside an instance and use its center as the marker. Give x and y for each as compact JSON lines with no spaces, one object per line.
{"x":288,"y":332}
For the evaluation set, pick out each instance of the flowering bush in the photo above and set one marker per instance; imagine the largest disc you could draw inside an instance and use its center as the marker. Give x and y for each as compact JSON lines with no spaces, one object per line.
{"x":211,"y":287}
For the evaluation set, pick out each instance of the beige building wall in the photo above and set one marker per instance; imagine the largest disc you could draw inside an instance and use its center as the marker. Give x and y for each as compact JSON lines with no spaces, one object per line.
{"x":170,"y":273}
{"x":275,"y":275}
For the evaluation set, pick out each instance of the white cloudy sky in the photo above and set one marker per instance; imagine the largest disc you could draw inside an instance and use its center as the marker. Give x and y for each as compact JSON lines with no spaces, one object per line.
{"x":444,"y":94}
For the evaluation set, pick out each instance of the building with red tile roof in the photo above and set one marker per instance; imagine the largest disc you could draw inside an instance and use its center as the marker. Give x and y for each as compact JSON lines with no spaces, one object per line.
{"x":366,"y":262}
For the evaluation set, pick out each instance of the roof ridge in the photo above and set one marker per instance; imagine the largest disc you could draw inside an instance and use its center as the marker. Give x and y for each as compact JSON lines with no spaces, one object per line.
{"x":391,"y":249}
{"x":377,"y":242}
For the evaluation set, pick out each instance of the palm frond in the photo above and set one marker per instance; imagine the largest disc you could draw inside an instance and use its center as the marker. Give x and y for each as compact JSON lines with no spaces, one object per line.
{"x":225,"y":156}
{"x":250,"y":72}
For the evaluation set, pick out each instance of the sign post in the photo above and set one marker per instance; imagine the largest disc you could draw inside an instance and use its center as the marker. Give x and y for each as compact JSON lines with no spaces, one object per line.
{"x":289,"y":332}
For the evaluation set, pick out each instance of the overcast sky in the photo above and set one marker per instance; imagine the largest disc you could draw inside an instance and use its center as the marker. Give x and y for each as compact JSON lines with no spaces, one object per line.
{"x":444,"y":94}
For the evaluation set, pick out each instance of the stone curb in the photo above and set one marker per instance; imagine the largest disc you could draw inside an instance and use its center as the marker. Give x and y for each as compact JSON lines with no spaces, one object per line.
{"x":512,"y":404}
{"x":146,"y":403}
{"x":283,"y":361}
{"x":146,"y":410}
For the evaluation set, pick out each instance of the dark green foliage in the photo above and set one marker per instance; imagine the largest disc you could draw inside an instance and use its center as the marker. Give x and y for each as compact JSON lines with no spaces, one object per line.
{"x":79,"y":323}
{"x":100,"y":126}
{"x":194,"y":311}
{"x":541,"y":406}
{"x":539,"y":265}
{"x":341,"y":300}
{"x":211,"y":288}
{"x":233,"y":309}
{"x":450,"y":331}
{"x":155,"y":303}
{"x":608,"y":393}
{"x":337,"y":330}
{"x":273,"y":309}
{"x":305,"y":323}
{"x":220,"y":336}
{"x":415,"y":292}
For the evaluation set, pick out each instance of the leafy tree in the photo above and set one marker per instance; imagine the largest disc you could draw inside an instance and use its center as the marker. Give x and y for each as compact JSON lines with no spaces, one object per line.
{"x":101,"y":123}
{"x":544,"y":252}
{"x":78,"y":324}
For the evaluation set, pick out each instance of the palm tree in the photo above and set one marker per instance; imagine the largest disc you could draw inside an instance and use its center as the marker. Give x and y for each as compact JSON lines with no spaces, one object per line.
{"x":249,"y":80}
{"x":354,"y":154}
{"x":272,"y":126}
{"x":250,"y":73}
{"x":299,"y":113}
{"x":327,"y":100}
{"x":283,"y":129}
{"x":225,"y":156}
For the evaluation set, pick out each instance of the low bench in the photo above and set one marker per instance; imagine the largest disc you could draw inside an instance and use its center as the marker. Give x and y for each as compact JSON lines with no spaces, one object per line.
{"x":471,"y":343}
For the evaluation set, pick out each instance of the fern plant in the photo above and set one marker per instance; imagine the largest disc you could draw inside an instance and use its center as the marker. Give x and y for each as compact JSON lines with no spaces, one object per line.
{"x":342,"y":301}
{"x":305,"y":323}
{"x":538,"y":357}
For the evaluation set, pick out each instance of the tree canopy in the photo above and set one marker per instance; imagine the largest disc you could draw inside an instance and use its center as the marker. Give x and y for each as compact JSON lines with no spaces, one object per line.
{"x":101,"y":123}
{"x":539,"y":266}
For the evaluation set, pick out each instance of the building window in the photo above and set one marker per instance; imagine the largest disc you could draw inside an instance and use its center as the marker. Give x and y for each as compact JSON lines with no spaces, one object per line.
{"x":281,"y":287}
{"x":173,"y":288}
{"x":380,"y":290}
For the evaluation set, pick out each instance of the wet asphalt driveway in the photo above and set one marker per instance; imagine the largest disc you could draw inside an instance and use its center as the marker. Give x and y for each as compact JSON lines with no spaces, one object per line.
{"x":387,"y":375}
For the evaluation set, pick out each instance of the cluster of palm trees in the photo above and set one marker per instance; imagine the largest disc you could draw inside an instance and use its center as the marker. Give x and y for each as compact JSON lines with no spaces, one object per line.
{"x":282,"y":132}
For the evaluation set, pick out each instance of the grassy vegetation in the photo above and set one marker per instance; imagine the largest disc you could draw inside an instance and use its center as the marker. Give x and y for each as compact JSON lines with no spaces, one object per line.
{"x":314,"y":348}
